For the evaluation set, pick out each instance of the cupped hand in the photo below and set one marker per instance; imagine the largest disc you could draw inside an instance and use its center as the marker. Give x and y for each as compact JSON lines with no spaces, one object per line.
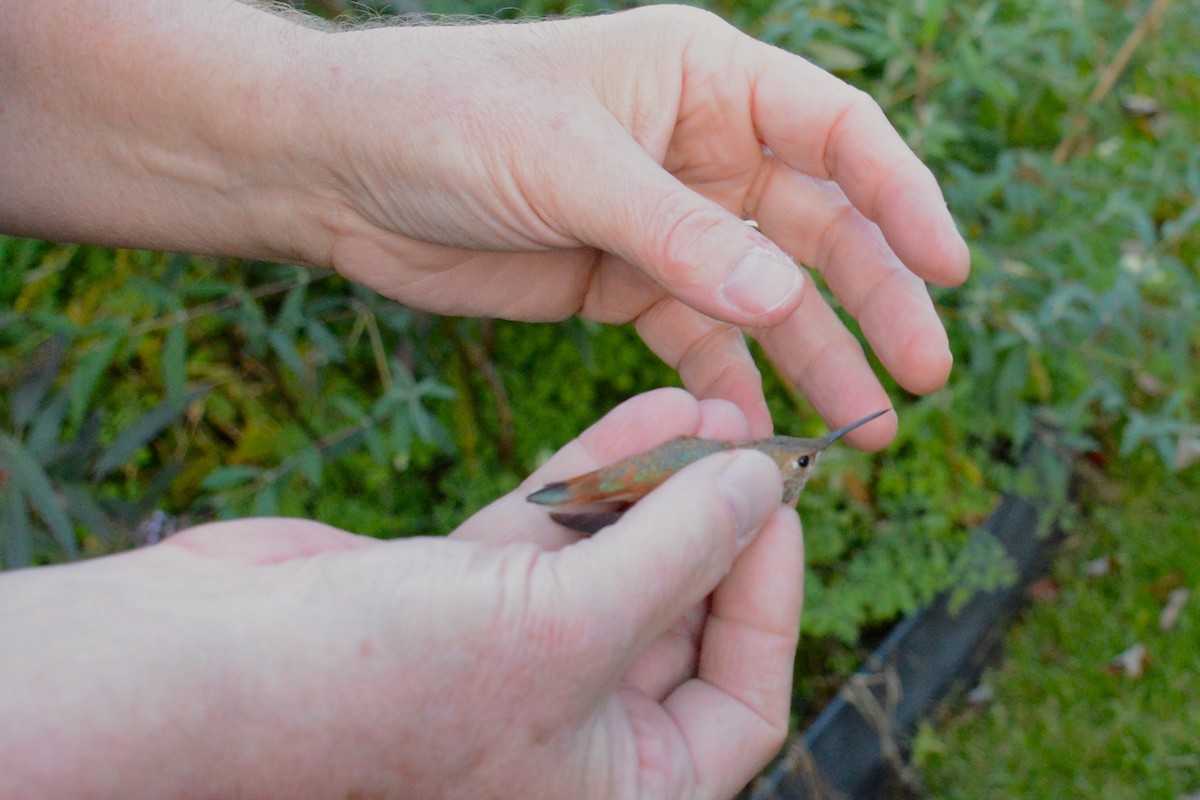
{"x":605,"y":166}
{"x":512,"y":660}
{"x":518,"y":661}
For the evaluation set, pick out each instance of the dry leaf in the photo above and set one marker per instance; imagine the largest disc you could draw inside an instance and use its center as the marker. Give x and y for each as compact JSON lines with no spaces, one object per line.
{"x":1150,"y":384}
{"x":1045,"y":590}
{"x":1168,"y":618}
{"x":1166,"y":583}
{"x":1132,"y":662}
{"x":1187,"y":451}
{"x":854,"y":487}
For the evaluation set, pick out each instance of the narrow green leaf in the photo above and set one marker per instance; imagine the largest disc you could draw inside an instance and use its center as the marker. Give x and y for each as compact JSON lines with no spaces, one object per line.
{"x":422,"y":422}
{"x":139,"y":432}
{"x":266,"y":503}
{"x":835,"y":57}
{"x":329,"y":345}
{"x":292,"y":311}
{"x":253,"y":322}
{"x":386,"y":404}
{"x":153,"y":492}
{"x":46,"y":428}
{"x":285,"y":347}
{"x":429,"y":387}
{"x":204,"y":290}
{"x":154,"y":291}
{"x":82,"y":506}
{"x":16,"y":531}
{"x":174,"y":362}
{"x":38,"y":379}
{"x":1013,"y":375}
{"x":401,"y":433}
{"x":347,"y":406}
{"x":174,"y":275}
{"x":229,"y":477}
{"x":344,"y":444}
{"x":72,"y":458}
{"x":27,"y":472}
{"x":90,"y":366}
{"x":310,"y":464}
{"x":377,"y":445}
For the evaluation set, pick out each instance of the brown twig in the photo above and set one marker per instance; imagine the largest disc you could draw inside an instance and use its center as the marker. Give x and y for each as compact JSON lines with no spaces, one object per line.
{"x":479,"y":354}
{"x":1108,"y":75}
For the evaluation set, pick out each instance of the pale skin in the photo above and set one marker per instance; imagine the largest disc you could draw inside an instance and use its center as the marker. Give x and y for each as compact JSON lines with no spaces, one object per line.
{"x":508,"y":661}
{"x":601,"y":167}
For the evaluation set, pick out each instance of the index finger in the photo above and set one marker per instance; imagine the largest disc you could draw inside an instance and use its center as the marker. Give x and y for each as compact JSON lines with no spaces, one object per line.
{"x":822,"y":126}
{"x":635,"y":425}
{"x":734,"y":713}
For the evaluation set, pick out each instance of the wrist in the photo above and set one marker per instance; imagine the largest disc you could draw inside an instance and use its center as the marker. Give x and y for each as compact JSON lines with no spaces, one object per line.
{"x":186,"y":129}
{"x":107,"y":675}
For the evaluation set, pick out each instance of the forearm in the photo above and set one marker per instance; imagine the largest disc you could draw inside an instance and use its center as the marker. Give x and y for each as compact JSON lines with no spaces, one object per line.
{"x":107,"y":690}
{"x":163,"y":124}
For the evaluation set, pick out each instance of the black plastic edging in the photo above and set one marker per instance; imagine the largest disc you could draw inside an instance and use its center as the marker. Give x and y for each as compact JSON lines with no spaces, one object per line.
{"x":851,"y":749}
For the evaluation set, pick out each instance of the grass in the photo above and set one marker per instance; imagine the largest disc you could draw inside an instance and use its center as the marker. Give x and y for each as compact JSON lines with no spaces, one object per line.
{"x":1060,"y":722}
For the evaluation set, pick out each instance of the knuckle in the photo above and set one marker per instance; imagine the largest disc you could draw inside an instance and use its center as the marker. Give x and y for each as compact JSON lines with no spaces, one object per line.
{"x":672,"y":17}
{"x":857,"y":110}
{"x":677,"y":229}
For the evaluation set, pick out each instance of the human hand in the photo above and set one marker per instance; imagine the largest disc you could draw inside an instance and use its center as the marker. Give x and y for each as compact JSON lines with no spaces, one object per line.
{"x":599,"y":166}
{"x":282,"y":658}
{"x":603,"y":166}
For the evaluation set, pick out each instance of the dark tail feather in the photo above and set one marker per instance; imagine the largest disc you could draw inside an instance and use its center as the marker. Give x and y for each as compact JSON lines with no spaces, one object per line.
{"x":552,"y":494}
{"x":586,"y":521}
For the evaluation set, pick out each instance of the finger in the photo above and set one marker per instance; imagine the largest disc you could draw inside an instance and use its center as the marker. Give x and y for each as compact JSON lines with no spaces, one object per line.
{"x":818,"y":354}
{"x":823,"y":127}
{"x":642,"y":422}
{"x":721,"y":419}
{"x":711,"y":357}
{"x":734,"y":714}
{"x":625,"y":203}
{"x":889,"y":301}
{"x":638,"y":424}
{"x":638,"y":577}
{"x":671,"y":659}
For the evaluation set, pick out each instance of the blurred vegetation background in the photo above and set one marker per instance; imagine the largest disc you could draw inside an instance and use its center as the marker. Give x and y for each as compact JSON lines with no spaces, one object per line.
{"x":141,"y":392}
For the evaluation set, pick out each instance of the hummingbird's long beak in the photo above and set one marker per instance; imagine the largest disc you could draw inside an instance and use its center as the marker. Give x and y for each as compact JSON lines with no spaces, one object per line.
{"x":830,"y":438}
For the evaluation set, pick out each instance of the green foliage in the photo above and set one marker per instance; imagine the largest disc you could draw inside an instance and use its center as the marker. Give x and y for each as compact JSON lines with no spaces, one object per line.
{"x":1082,"y":302}
{"x":210,"y":388}
{"x":1080,"y":313}
{"x":1061,"y":723}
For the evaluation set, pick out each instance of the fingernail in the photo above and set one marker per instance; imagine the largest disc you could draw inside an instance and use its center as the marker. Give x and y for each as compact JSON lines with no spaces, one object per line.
{"x":762,"y":281}
{"x":751,"y":491}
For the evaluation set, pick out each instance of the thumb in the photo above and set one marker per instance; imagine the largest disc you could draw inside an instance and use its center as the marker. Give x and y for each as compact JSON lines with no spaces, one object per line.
{"x":691,"y":246}
{"x":638,"y":577}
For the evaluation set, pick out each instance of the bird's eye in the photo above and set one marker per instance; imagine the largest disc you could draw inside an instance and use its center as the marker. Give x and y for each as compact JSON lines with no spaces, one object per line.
{"x":801,"y":462}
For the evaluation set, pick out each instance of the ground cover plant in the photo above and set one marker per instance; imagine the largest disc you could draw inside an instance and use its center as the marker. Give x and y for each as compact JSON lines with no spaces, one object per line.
{"x":142,"y":391}
{"x":1101,"y":725}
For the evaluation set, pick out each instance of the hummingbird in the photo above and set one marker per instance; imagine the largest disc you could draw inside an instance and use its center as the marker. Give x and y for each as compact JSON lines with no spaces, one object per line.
{"x":597,"y":499}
